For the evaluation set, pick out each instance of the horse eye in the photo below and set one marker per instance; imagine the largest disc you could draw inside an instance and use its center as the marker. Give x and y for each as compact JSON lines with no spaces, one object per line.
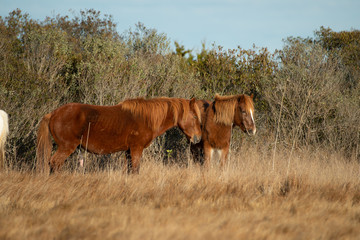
{"x":195,"y":117}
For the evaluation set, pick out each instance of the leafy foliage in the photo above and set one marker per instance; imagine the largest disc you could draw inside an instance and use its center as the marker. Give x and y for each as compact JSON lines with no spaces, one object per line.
{"x":311,"y":86}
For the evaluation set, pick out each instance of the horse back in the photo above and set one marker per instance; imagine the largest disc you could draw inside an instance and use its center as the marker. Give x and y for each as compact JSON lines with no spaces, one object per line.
{"x":71,"y":119}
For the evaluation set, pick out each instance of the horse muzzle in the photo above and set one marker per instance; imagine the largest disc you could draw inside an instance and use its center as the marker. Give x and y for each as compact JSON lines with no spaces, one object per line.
{"x":195,"y":139}
{"x":251,"y":131}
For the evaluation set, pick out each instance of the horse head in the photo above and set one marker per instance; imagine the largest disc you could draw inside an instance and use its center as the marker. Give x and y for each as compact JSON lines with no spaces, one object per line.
{"x":190,"y":124}
{"x":244,"y":114}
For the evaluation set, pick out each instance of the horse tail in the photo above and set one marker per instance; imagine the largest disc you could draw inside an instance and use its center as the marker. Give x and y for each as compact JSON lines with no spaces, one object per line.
{"x":44,"y":146}
{"x":4,"y":130}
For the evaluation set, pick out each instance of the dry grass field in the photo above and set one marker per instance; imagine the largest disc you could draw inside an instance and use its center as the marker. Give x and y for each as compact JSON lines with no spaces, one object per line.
{"x":317,"y":196}
{"x":307,"y":98}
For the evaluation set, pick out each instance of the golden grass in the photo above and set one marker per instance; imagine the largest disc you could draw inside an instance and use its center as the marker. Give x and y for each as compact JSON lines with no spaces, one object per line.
{"x":319,"y":199}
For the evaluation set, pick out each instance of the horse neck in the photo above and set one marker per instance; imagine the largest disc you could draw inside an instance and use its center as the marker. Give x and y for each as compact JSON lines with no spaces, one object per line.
{"x":168,"y":122}
{"x":213,"y":131}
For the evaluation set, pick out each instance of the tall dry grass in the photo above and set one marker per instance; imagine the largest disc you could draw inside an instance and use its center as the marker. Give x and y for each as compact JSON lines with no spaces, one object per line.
{"x":318,"y":197}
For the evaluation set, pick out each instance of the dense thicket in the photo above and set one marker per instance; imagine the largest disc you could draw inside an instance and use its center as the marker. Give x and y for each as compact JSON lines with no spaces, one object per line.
{"x":306,"y":94}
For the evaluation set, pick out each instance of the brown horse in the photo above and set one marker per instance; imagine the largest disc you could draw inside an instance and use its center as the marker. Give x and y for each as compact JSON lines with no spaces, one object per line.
{"x":217,"y":124}
{"x":129,"y":126}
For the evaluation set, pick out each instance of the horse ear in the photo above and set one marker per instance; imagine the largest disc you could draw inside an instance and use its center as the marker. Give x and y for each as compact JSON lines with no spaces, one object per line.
{"x":252,"y":96}
{"x":192,"y":102}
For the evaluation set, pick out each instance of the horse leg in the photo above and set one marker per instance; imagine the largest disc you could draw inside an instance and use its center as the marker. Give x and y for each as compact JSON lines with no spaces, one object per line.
{"x":127,"y":165}
{"x":197,"y":152}
{"x":135,"y":154}
{"x":208,"y":151}
{"x":223,"y":156}
{"x":58,"y":159}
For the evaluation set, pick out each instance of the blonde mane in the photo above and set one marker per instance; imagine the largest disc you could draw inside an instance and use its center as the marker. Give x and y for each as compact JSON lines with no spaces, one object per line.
{"x":154,"y":111}
{"x":225,"y":107}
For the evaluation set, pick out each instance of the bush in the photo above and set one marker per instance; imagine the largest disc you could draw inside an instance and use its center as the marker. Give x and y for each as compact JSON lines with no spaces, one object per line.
{"x":307,"y":99}
{"x":307,"y":94}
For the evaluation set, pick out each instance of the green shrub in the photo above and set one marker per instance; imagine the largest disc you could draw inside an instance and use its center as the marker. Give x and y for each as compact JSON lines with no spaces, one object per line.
{"x":306,"y":94}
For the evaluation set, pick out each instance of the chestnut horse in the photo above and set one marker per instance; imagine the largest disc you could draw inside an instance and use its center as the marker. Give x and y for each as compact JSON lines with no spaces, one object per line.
{"x":220,"y":115}
{"x":129,"y":126}
{"x":4,"y":130}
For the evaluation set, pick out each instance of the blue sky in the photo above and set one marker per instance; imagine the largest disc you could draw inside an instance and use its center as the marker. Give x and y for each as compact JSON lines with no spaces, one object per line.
{"x":228,"y":23}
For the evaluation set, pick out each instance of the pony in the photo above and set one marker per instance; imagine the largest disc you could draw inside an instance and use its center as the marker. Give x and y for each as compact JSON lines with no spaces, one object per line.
{"x":4,"y":131}
{"x":128,"y":126}
{"x":220,"y":116}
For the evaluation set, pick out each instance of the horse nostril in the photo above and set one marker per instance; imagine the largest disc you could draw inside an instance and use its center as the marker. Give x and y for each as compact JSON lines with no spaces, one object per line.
{"x":196,"y":139}
{"x":251,"y":131}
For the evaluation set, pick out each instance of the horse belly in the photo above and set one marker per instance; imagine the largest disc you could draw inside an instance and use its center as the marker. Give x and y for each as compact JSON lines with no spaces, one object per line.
{"x":105,"y":143}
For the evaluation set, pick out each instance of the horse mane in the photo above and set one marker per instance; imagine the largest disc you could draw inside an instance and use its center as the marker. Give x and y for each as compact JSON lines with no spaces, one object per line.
{"x":154,"y":111}
{"x":225,"y":107}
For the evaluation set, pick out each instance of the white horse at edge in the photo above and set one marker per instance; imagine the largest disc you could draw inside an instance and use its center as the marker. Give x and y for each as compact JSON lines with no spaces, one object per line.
{"x":4,"y":130}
